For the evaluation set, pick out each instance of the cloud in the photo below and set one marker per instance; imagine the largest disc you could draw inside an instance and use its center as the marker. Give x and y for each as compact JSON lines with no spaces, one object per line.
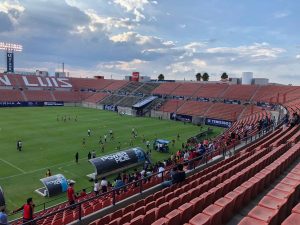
{"x":280,"y":15}
{"x":106,"y":22}
{"x":136,"y":7}
{"x":6,"y":24}
{"x":13,"y":9}
{"x":257,"y":51}
{"x":187,"y":67}
{"x":298,"y":56}
{"x":123,"y":65}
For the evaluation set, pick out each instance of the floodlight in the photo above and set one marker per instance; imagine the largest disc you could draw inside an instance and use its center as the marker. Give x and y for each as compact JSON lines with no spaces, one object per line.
{"x":11,"y":47}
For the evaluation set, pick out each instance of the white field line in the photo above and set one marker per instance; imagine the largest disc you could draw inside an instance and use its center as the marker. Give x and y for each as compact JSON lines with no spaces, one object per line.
{"x":12,"y":165}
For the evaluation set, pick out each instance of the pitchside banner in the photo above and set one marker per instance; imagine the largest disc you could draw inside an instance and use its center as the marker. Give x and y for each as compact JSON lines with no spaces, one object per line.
{"x":219,"y":123}
{"x":179,"y":117}
{"x":2,"y":200}
{"x":115,"y":161}
{"x":110,"y":108}
{"x":236,"y":102}
{"x":55,"y":185}
{"x":10,"y":62}
{"x":30,"y":104}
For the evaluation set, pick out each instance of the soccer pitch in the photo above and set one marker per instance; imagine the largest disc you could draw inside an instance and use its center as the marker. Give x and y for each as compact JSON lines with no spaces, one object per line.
{"x":48,"y":143}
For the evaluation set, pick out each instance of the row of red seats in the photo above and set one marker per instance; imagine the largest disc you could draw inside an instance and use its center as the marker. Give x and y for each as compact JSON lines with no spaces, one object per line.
{"x":263,"y":172}
{"x":277,"y":203}
{"x":294,"y":218}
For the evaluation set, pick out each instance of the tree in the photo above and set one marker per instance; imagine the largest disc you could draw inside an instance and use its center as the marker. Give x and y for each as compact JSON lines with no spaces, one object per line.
{"x":224,"y":76}
{"x":198,"y":76}
{"x":205,"y":77}
{"x":161,"y":77}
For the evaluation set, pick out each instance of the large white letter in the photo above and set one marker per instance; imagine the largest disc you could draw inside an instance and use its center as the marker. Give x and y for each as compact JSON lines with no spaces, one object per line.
{"x":65,"y":82}
{"x":41,"y":82}
{"x":26,"y":82}
{"x":5,"y":80}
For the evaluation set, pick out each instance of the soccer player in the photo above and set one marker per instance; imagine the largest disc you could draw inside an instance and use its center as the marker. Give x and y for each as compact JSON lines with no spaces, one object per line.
{"x":110,"y":132}
{"x":89,"y":132}
{"x":76,"y":157}
{"x":105,"y":137}
{"x":28,"y":210}
{"x":19,"y":145}
{"x":89,"y":155}
{"x":93,"y":154}
{"x":148,"y":145}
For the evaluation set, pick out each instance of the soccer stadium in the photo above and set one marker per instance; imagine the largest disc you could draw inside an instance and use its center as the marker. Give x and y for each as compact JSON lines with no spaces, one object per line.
{"x":143,"y":129}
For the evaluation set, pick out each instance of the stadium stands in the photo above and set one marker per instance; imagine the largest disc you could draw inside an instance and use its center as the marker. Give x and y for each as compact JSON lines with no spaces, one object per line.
{"x":215,"y":194}
{"x":95,"y":98}
{"x":211,"y":90}
{"x":240,"y":92}
{"x":185,"y":89}
{"x":165,"y":88}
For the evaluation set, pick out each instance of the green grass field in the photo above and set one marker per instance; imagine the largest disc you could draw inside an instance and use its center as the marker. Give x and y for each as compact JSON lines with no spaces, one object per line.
{"x":48,"y":143}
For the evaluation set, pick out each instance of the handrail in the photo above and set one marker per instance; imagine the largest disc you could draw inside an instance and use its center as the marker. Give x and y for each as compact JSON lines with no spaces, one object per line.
{"x":200,"y":159}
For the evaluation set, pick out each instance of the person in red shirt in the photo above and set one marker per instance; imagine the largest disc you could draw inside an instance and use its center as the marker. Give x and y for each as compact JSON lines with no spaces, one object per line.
{"x":28,"y":210}
{"x":71,"y":194}
{"x":83,"y":193}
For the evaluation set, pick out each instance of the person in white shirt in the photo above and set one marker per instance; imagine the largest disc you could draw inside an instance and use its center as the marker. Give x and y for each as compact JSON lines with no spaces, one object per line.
{"x":161,"y":169}
{"x":96,"y":187}
{"x":186,"y":156}
{"x":104,"y":184}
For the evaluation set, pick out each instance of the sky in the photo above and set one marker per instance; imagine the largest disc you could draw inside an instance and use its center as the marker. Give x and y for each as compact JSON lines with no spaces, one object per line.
{"x":177,"y":38}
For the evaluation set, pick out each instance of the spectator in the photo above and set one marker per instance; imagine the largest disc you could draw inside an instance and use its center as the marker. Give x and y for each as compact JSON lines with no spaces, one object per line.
{"x":161,"y":169}
{"x":28,"y":210}
{"x":3,"y":217}
{"x":71,"y":193}
{"x":104,"y":185}
{"x":96,"y":187}
{"x":186,"y":156}
{"x":118,"y":184}
{"x":83,"y":193}
{"x":177,"y":176}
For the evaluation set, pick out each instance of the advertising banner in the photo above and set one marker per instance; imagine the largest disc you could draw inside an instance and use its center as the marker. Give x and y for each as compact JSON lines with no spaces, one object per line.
{"x":180,"y":117}
{"x":2,"y":200}
{"x":110,"y":108}
{"x":55,"y":184}
{"x":135,"y":76}
{"x":30,"y":104}
{"x":115,"y":161}
{"x":217,"y":122}
{"x":236,"y":102}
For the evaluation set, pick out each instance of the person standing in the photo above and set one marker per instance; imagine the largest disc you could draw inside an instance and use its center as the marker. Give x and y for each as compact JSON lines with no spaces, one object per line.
{"x":89,"y":132}
{"x":76,"y":157}
{"x":48,"y":173}
{"x":3,"y":217}
{"x":96,"y":187}
{"x":93,"y":154}
{"x":28,"y":210}
{"x":71,"y":194}
{"x":104,"y":185}
{"x":89,"y":155}
{"x":105,"y":138}
{"x":19,"y":145}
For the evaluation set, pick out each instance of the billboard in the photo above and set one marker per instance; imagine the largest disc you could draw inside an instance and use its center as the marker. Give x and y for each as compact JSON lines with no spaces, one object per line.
{"x":217,"y":122}
{"x":120,"y":160}
{"x":55,"y":184}
{"x":135,"y":76}
{"x":10,"y":62}
{"x":2,"y":200}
